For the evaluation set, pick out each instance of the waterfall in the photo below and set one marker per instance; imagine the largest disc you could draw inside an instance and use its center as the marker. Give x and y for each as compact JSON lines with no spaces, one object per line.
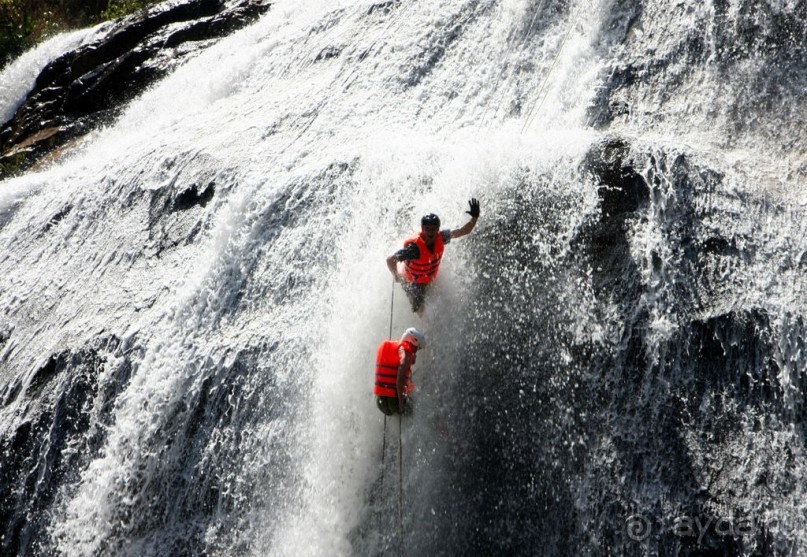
{"x":18,"y":77}
{"x":192,"y":295}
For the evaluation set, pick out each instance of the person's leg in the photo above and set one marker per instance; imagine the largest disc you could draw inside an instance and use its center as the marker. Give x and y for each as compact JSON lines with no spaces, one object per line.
{"x":407,"y":410}
{"x":409,"y":290}
{"x":417,"y":296}
{"x":420,"y":299}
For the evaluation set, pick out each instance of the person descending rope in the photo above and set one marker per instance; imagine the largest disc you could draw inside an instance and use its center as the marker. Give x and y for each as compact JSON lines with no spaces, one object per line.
{"x":393,"y":371}
{"x":421,"y":255}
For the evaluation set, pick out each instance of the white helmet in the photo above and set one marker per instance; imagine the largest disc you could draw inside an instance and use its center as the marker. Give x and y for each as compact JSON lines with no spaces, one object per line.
{"x":414,"y":337}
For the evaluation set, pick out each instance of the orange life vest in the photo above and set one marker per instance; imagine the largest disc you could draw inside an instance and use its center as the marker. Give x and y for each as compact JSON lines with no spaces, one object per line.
{"x":387,"y":361}
{"x":424,"y":269}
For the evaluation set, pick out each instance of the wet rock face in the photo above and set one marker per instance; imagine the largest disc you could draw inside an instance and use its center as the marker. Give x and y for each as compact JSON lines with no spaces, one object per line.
{"x":52,"y":436}
{"x":623,"y":194}
{"x":737,"y":64}
{"x":84,"y":87}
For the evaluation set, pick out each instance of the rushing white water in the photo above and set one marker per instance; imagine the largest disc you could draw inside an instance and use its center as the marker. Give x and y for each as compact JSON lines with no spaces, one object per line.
{"x":231,"y":412}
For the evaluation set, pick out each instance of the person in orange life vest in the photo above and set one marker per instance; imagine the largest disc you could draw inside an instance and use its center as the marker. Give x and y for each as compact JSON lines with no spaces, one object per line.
{"x":421,"y":255}
{"x":393,"y":371}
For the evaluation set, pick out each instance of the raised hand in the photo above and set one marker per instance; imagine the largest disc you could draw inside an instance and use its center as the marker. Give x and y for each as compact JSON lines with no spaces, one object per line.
{"x":474,"y":212}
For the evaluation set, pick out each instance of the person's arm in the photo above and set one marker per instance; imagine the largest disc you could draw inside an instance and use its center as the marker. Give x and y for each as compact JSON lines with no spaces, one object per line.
{"x":406,"y":362}
{"x":469,"y":226}
{"x":392,"y":265}
{"x":409,"y":252}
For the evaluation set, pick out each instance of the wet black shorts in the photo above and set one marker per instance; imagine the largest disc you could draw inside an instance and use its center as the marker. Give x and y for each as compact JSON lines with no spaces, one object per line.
{"x":389,"y":405}
{"x":416,"y":293}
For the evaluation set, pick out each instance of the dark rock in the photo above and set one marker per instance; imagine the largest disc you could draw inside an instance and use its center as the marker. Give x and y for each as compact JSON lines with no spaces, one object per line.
{"x":624,"y":194}
{"x":44,"y":375}
{"x":327,"y":53}
{"x":735,"y":349}
{"x":383,"y":7}
{"x":55,"y":219}
{"x":89,"y":85}
{"x":622,"y":190}
{"x":11,"y":392}
{"x":194,"y":195}
{"x":53,"y":437}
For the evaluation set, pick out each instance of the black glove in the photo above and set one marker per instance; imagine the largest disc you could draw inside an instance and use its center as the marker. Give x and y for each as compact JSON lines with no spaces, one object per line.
{"x":474,"y":212}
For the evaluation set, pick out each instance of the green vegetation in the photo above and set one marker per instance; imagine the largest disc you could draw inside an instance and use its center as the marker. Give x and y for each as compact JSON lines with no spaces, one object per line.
{"x":24,"y":23}
{"x":12,"y":164}
{"x":120,"y":8}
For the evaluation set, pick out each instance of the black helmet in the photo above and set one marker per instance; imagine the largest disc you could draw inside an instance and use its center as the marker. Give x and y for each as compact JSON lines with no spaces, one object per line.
{"x":430,"y":220}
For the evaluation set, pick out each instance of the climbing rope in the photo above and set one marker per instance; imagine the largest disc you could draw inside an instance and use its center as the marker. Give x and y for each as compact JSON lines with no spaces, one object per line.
{"x":384,"y":434}
{"x":539,"y":101}
{"x":509,"y":50}
{"x":391,"y":304}
{"x":383,"y":451}
{"x":400,"y":442}
{"x":400,"y":445}
{"x":400,"y":484}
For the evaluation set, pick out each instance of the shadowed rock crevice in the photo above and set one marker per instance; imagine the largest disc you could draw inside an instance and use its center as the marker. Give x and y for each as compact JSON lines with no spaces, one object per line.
{"x":623,"y":193}
{"x":193,"y":196}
